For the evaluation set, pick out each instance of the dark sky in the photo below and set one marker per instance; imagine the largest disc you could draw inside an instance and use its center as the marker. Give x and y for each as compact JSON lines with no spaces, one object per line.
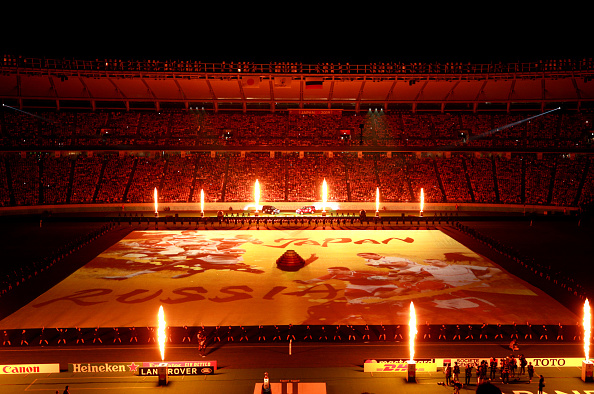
{"x":307,"y":34}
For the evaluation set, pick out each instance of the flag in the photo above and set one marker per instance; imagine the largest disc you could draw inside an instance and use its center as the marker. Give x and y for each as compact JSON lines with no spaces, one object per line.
{"x":282,"y":82}
{"x":314,"y":84}
{"x":250,"y":81}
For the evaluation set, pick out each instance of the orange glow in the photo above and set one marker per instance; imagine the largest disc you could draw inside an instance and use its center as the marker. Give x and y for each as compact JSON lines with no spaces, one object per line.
{"x":257,"y":194}
{"x":201,"y":200}
{"x":422,"y":200}
{"x":587,"y":329}
{"x":412,"y":331}
{"x":377,"y":199}
{"x":156,"y":199}
{"x":324,"y":195}
{"x":161,"y":332}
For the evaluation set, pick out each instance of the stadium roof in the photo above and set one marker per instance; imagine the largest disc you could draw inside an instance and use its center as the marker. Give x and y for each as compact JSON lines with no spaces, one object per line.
{"x":263,"y":34}
{"x":116,"y":84}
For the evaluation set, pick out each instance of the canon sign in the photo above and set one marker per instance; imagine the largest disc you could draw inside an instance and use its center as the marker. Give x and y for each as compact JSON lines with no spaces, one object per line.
{"x":20,"y":369}
{"x":29,"y":368}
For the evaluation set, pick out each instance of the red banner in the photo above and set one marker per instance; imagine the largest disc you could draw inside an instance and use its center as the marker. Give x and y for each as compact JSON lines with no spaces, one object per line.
{"x":315,"y":112}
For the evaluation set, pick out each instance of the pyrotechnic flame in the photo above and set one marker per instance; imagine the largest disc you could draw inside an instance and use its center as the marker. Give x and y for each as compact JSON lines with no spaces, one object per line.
{"x":156,"y":199}
{"x":324,"y":195}
{"x":201,"y":200}
{"x":587,"y":329}
{"x":161,"y":332}
{"x":377,"y":199}
{"x":422,"y":200}
{"x":412,"y":330}
{"x":257,"y":194}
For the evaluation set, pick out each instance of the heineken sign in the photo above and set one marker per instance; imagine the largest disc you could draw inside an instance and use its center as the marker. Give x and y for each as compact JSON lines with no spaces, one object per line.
{"x":104,"y":367}
{"x":174,"y":368}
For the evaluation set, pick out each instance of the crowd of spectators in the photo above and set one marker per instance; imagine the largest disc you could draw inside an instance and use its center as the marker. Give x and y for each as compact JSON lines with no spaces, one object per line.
{"x":87,"y":173}
{"x":197,"y":128}
{"x":244,"y":170}
{"x":24,"y":170}
{"x":392,"y":175}
{"x":482,"y":179}
{"x":531,"y":179}
{"x":305,"y":176}
{"x":567,"y":179}
{"x":362,"y":177}
{"x":179,"y":173}
{"x":147,"y":175}
{"x":116,"y":177}
{"x":114,"y":180}
{"x":210,"y":177}
{"x":302,"y":178}
{"x":509,"y":174}
{"x":4,"y":191}
{"x":423,"y":175}
{"x":452,"y":172}
{"x":586,"y":198}
{"x":194,"y":66}
{"x":55,"y":178}
{"x":539,"y":173}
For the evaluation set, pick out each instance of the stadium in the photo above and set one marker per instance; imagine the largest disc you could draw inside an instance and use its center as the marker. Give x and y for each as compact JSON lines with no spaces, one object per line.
{"x":287,"y":214}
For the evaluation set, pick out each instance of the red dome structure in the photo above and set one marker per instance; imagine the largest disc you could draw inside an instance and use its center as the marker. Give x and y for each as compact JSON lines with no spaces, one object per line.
{"x":290,"y":261}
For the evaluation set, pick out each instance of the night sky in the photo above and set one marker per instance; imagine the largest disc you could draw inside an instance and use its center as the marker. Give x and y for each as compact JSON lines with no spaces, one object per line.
{"x":298,"y":33}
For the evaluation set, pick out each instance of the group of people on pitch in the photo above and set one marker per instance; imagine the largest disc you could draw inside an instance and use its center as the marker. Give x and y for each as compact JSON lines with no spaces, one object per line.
{"x":507,"y":366}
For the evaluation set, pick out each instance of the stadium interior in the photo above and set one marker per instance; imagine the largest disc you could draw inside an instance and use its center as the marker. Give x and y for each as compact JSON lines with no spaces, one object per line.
{"x":503,"y":153}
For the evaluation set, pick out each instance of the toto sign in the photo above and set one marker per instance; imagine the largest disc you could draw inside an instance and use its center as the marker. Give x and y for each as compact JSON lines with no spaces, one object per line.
{"x":556,"y":362}
{"x":537,"y":362}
